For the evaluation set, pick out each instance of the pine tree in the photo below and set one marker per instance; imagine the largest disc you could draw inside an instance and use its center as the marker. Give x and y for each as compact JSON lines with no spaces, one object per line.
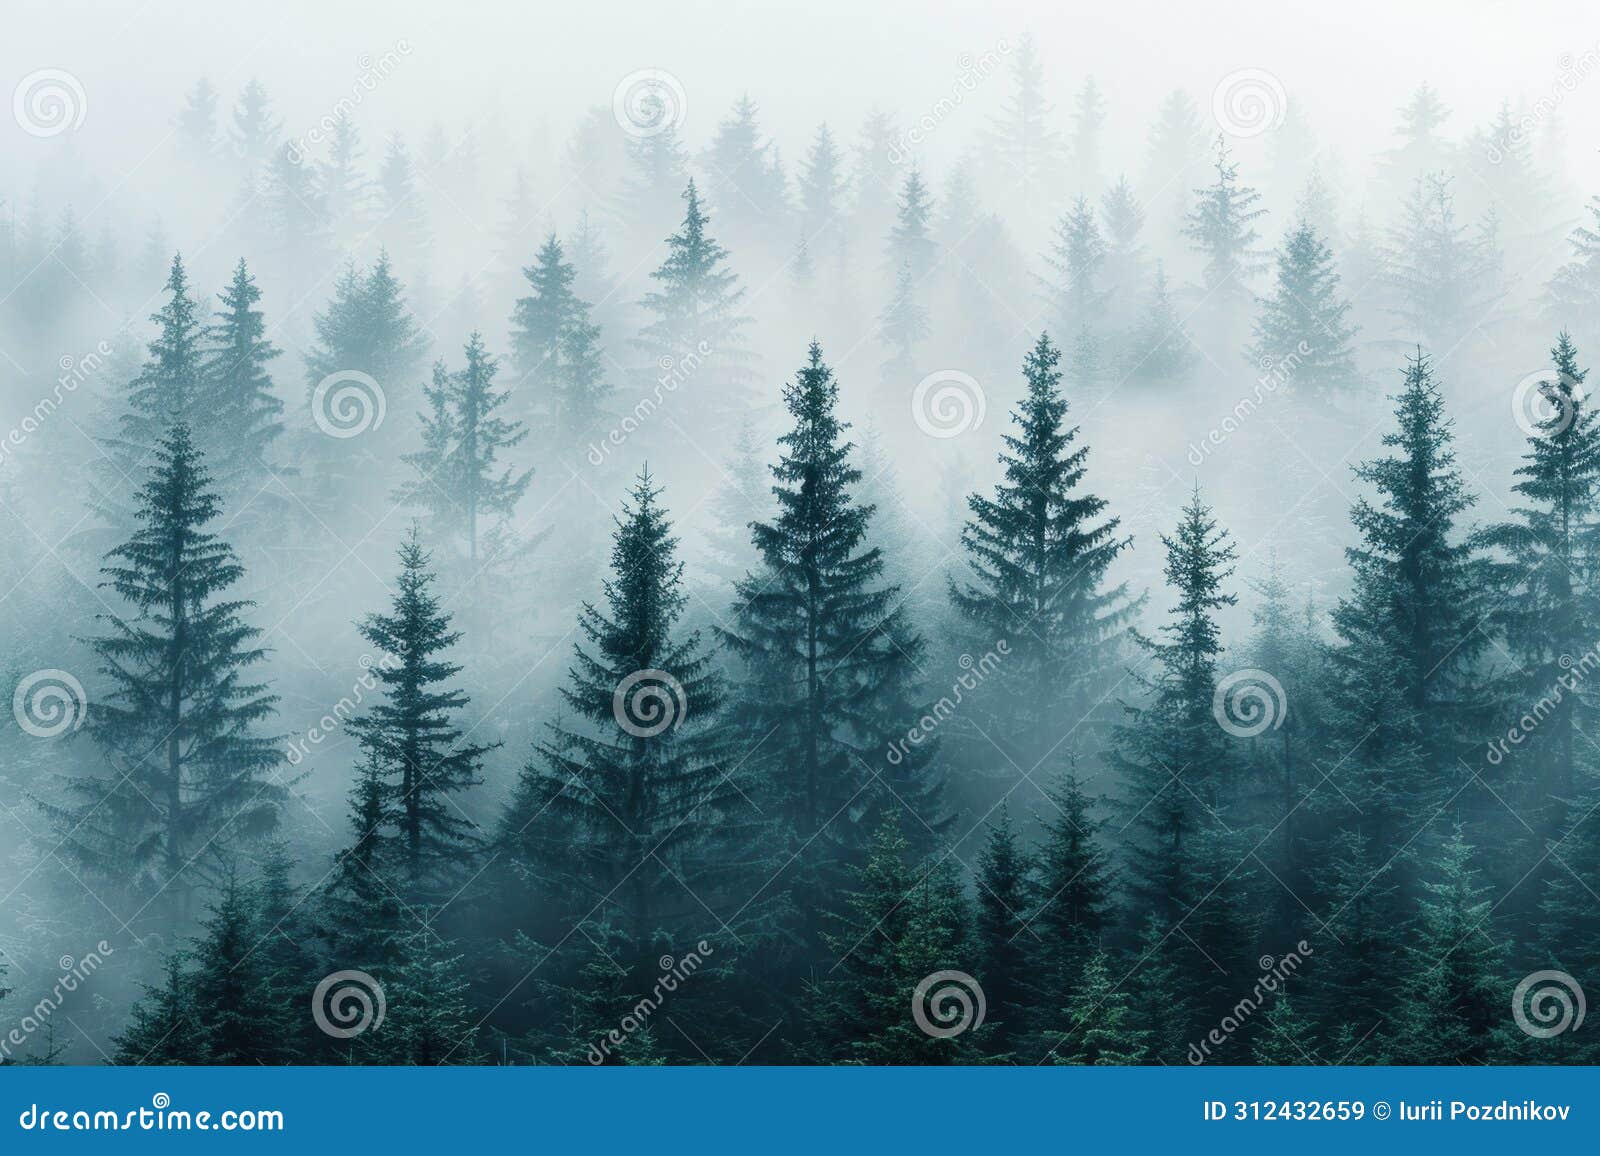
{"x":1301,"y":327}
{"x":1088,"y":122}
{"x":1102,"y":1024}
{"x":1182,"y":775}
{"x":1176,"y":155}
{"x":540,"y":321}
{"x":903,"y":326}
{"x":642,"y":779}
{"x":1438,"y":272}
{"x":346,"y":191}
{"x":745,"y":165}
{"x":1552,"y":616}
{"x":822,"y":188}
{"x":232,"y":998}
{"x":1078,"y":257}
{"x":1572,"y":297}
{"x":1038,"y":555}
{"x":1452,"y":1005}
{"x":1221,"y":227}
{"x":409,"y":740}
{"x":188,"y":774}
{"x":463,"y":439}
{"x":828,"y":655}
{"x":169,"y":388}
{"x":1160,"y":349}
{"x":1423,"y":149}
{"x":1004,"y":938}
{"x":1028,"y":149}
{"x":1072,"y":894}
{"x":696,"y":315}
{"x":163,"y":1028}
{"x":428,"y":1018}
{"x":255,"y":129}
{"x":243,"y":407}
{"x":402,"y":226}
{"x":900,"y":926}
{"x":1418,"y":589}
{"x":911,"y":246}
{"x":196,"y":125}
{"x":1284,"y":1036}
{"x":658,"y":165}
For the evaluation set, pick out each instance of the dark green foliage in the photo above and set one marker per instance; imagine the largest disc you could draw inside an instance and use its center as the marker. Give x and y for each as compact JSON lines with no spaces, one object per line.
{"x":1301,"y":330}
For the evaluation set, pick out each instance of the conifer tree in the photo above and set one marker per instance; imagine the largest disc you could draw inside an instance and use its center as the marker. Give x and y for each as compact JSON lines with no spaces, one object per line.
{"x":1418,"y":587}
{"x":1572,"y":297}
{"x":1071,"y":896}
{"x":696,"y":314}
{"x":1030,"y":151}
{"x":1552,"y":616}
{"x":828,"y":655}
{"x":822,"y":188}
{"x":1078,"y":257}
{"x":1102,"y":1024}
{"x":911,"y":246}
{"x":1439,"y":274}
{"x":421,"y":759}
{"x":188,"y":774}
{"x":429,"y":1018}
{"x":1302,"y":324}
{"x":463,"y":441}
{"x":1284,"y":1036}
{"x":169,"y":387}
{"x":255,"y":128}
{"x":196,"y":124}
{"x":243,"y":408}
{"x":232,"y":997}
{"x":163,"y":1028}
{"x":903,"y":326}
{"x":1221,"y":226}
{"x":1452,"y":1008}
{"x":1004,"y":938}
{"x":1038,"y":555}
{"x":640,"y":779}
{"x":346,"y":192}
{"x":540,"y":321}
{"x":402,"y":226}
{"x":900,"y":925}
{"x":1159,"y":349}
{"x":1175,"y":157}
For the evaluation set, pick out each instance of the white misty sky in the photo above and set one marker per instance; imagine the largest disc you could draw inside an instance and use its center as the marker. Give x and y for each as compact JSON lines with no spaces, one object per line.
{"x":1351,"y":63}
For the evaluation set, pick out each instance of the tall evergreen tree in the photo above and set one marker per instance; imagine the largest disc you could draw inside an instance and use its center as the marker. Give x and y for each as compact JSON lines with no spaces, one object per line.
{"x":188,"y":774}
{"x":1221,"y":227}
{"x":409,"y":741}
{"x":1302,"y":325}
{"x":911,"y":244}
{"x":1077,"y":256}
{"x":244,"y":410}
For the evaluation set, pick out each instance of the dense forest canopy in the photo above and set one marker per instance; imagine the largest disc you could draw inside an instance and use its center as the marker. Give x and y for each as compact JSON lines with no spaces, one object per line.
{"x":1033,"y":566}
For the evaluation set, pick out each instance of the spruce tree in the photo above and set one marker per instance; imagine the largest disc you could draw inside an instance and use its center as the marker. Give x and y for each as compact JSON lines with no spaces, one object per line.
{"x":614,"y":808}
{"x":911,"y":246}
{"x":244,"y":409}
{"x":539,"y":323}
{"x":409,"y":741}
{"x":1071,"y":894}
{"x":1159,"y":348}
{"x":463,"y":439}
{"x":1221,"y":227}
{"x":900,"y":926}
{"x":822,"y":187}
{"x":1302,"y":325}
{"x":828,"y":655}
{"x":903,"y":326}
{"x":1103,"y":1026}
{"x":1038,"y":555}
{"x":1078,"y":257}
{"x":163,"y":1028}
{"x":1020,"y":138}
{"x":1175,"y":156}
{"x":188,"y":774}
{"x":1572,"y":296}
{"x":1439,"y":274}
{"x":232,"y":994}
{"x":1004,"y":938}
{"x":695,"y":310}
{"x":255,"y":128}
